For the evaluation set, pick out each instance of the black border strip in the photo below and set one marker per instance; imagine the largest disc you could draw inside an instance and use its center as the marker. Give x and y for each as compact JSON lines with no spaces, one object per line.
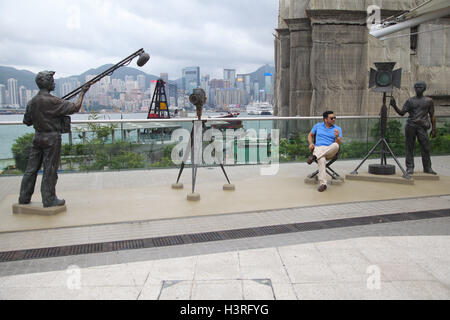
{"x":113,"y":246}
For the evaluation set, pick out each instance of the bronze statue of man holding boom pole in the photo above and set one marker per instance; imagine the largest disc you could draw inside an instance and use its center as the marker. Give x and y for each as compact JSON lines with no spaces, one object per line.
{"x":45,"y":113}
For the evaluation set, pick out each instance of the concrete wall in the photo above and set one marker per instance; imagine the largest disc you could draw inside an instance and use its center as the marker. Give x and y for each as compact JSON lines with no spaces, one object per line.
{"x":323,"y":56}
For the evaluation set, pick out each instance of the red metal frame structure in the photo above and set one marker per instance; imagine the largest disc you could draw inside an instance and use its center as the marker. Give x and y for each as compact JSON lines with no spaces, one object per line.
{"x":159,"y":104}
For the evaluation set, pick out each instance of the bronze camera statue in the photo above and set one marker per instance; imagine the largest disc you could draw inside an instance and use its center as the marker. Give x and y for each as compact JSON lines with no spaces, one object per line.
{"x":198,"y":99}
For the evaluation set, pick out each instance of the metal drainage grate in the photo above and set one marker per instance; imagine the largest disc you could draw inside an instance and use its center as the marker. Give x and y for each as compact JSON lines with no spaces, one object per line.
{"x":111,"y":246}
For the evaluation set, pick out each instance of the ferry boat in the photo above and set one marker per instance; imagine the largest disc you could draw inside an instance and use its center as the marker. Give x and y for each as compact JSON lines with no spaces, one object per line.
{"x":260,"y":108}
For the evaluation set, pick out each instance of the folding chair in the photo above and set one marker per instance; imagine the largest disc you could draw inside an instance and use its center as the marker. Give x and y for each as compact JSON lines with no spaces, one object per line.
{"x":335,"y":177}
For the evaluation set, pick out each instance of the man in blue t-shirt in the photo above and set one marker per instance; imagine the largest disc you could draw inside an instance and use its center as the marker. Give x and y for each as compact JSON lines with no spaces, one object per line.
{"x":328,"y":139}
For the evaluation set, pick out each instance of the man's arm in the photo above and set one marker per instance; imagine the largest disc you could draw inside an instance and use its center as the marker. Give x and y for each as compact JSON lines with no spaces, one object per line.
{"x":402,"y":112}
{"x":27,"y":116}
{"x":433,"y":120}
{"x":337,"y":135}
{"x":79,"y":102}
{"x":311,"y":141}
{"x":65,"y":107}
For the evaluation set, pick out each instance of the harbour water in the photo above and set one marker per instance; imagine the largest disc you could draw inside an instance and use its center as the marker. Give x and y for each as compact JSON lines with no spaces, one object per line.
{"x":9,"y":133}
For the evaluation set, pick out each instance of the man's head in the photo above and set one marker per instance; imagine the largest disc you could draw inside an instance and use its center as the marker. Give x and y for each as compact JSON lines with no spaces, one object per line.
{"x":329,"y":118}
{"x":420,"y":87}
{"x":44,"y":80}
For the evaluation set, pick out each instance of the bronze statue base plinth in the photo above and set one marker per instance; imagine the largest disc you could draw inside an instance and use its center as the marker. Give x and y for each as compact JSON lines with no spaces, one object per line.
{"x":379,"y":178}
{"x":193,"y":196}
{"x":229,"y":187}
{"x":425,"y":176}
{"x":37,"y":209}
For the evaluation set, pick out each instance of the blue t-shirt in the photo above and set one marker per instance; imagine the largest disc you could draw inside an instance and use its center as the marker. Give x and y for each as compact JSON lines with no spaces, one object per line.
{"x":324,"y":135}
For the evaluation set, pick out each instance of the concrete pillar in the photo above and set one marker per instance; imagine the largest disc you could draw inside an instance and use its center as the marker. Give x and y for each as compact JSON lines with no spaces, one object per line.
{"x":300,"y":54}
{"x":281,"y":87}
{"x":283,"y":84}
{"x":338,"y":64}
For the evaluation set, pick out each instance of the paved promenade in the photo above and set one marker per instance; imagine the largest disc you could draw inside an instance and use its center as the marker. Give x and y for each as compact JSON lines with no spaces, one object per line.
{"x":392,"y":245}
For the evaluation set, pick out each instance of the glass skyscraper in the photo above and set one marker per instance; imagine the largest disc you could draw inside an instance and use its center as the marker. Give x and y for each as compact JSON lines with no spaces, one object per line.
{"x":191,"y":78}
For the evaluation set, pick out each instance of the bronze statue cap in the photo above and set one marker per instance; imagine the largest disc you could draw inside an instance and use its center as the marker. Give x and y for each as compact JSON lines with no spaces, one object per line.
{"x":46,"y":72}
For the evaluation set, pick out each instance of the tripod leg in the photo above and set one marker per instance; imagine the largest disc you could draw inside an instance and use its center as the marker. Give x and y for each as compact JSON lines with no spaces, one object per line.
{"x":193,"y":160}
{"x":180,"y":172}
{"x":185,"y":157}
{"x":223,"y":169}
{"x":405,"y":175}
{"x":367,"y":156}
{"x":194,"y":176}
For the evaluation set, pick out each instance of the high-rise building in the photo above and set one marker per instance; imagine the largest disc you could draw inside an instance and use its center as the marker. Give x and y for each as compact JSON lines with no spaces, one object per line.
{"x":229,"y":96}
{"x":68,"y":86}
{"x":230,"y":75}
{"x":94,"y":89}
{"x":204,"y":84}
{"x":247,"y":83}
{"x":240,"y":82}
{"x":268,"y":91}
{"x":2,"y":94}
{"x":22,"y":97}
{"x":216,"y":83}
{"x":131,"y":85}
{"x":118,"y":85}
{"x":152,"y":87}
{"x":191,"y":79}
{"x":268,"y":83}
{"x":164,"y":76}
{"x":256,"y":92}
{"x":141,"y":82}
{"x":29,"y":94}
{"x":13,"y":91}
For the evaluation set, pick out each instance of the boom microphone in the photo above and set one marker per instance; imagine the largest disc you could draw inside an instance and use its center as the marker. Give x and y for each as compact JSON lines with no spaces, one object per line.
{"x":143,"y":58}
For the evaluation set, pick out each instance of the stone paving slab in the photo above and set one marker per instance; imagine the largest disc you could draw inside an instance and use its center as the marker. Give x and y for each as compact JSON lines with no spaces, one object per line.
{"x":310,"y":275}
{"x":147,"y":229}
{"x":112,"y":197}
{"x":412,"y":257}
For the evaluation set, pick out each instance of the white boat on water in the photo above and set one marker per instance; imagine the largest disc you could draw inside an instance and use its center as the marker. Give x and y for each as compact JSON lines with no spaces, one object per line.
{"x":260,"y":108}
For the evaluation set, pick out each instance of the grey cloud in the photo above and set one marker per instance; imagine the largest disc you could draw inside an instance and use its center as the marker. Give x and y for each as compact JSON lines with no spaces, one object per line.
{"x":177,"y":33}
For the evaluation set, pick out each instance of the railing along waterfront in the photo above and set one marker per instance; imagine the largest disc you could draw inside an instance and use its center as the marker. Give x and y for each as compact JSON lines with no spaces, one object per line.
{"x":118,"y":144}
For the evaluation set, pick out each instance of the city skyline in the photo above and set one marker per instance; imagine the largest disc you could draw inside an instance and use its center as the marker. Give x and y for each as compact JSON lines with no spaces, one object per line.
{"x":213,"y":34}
{"x":134,"y":93}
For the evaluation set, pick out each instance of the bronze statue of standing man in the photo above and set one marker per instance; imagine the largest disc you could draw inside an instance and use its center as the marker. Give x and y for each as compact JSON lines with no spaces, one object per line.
{"x":421,"y":118}
{"x":45,"y":113}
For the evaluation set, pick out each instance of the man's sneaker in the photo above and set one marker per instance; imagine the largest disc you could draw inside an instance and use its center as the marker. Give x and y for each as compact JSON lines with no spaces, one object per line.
{"x":311,"y":159}
{"x":55,"y":203}
{"x":322,"y":188}
{"x":410,"y":171}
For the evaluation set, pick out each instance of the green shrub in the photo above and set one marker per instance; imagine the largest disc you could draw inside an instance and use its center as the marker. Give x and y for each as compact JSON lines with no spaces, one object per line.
{"x":21,"y":150}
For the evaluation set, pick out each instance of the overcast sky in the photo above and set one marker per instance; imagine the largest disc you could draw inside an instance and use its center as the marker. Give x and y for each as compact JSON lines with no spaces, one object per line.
{"x":71,"y":37}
